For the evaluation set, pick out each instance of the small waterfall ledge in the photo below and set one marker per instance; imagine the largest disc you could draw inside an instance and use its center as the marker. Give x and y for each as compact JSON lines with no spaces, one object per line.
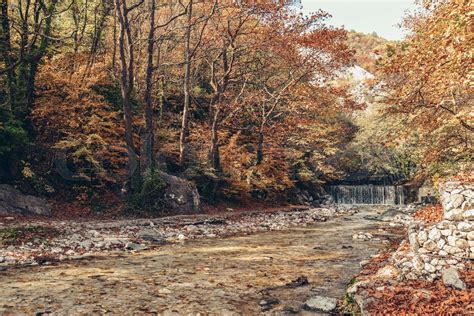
{"x":367,"y":194}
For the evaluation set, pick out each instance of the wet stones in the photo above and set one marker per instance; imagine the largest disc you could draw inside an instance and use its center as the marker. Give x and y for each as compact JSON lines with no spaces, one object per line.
{"x":268,"y":303}
{"x":362,"y":236}
{"x":135,"y":247}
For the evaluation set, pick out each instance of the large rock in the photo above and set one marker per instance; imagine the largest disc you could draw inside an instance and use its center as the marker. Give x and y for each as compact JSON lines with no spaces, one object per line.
{"x":12,"y":201}
{"x":388,"y":272}
{"x":181,"y":195}
{"x":451,"y":278}
{"x":321,"y":303}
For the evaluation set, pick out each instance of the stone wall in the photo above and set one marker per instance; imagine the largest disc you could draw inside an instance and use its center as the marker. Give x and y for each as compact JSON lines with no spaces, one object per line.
{"x":432,"y":249}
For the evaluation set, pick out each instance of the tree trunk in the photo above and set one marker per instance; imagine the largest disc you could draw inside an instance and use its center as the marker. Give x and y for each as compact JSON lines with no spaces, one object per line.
{"x":126,"y":84}
{"x":149,"y":162}
{"x":260,"y":144}
{"x":186,"y":86}
{"x":214,"y":157}
{"x":6,"y":51}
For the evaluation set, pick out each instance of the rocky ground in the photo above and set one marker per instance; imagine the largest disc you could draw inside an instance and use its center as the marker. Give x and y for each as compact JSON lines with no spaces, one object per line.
{"x":278,"y":262}
{"x":410,"y":278}
{"x":48,"y":241}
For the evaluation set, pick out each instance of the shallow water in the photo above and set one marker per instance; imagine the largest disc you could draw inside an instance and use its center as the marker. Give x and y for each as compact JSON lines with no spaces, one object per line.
{"x":219,"y":276}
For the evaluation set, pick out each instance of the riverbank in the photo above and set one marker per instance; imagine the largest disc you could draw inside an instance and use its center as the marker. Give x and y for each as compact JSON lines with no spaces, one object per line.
{"x":385,"y":286}
{"x":289,"y":270}
{"x":42,"y":242}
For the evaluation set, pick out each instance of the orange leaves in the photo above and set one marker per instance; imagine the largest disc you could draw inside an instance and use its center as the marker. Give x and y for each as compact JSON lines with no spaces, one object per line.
{"x":70,"y":116}
{"x":426,"y":79}
{"x":430,"y":214}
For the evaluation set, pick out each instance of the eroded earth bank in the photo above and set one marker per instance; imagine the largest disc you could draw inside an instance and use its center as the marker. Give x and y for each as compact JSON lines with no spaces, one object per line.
{"x":285,"y":271}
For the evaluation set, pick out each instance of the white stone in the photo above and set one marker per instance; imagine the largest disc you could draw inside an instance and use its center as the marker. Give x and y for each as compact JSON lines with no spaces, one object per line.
{"x":454,"y":250}
{"x":321,"y":303}
{"x":454,"y":215}
{"x":451,"y":278}
{"x":422,"y":237}
{"x":446,"y":232}
{"x":430,"y":268}
{"x":456,"y":200}
{"x":417,"y":263}
{"x":465,"y":226}
{"x":468,"y":193}
{"x":389,"y":272}
{"x":452,"y":240}
{"x":434,"y":234}
{"x":470,"y":235}
{"x":469,"y":215}
{"x":467,"y":205}
{"x":442,"y":253}
{"x":413,"y":239}
{"x":430,"y":245}
{"x":461,"y":243}
{"x":440,"y":244}
{"x":443,"y":225}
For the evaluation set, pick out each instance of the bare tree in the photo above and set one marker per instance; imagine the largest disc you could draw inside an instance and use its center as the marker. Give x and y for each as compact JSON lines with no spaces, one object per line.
{"x":189,"y":53}
{"x":126,"y":55}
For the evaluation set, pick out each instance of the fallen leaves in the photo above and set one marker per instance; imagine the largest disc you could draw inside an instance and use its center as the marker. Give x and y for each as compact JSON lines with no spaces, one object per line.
{"x":422,"y":297}
{"x":430,"y":214}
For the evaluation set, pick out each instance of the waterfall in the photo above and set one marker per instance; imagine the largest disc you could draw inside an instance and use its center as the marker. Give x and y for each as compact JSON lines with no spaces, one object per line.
{"x":367,"y":194}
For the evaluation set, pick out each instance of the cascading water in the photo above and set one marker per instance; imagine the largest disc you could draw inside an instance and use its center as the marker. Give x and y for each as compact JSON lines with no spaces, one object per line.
{"x":367,"y":194}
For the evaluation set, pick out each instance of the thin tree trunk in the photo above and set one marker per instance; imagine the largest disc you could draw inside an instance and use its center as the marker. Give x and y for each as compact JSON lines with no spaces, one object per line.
{"x":149,"y":124}
{"x":186,"y":86}
{"x":214,"y":152}
{"x":6,"y":51}
{"x":126,"y":84}
{"x":260,"y":144}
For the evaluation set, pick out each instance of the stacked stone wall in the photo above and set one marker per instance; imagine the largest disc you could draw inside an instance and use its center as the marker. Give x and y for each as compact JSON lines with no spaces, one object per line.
{"x":432,"y":249}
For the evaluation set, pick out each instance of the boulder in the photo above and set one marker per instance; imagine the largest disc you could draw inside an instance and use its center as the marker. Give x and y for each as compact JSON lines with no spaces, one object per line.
{"x":321,"y":303}
{"x":451,"y":278}
{"x":135,"y":247}
{"x":12,"y":201}
{"x":181,"y":195}
{"x":388,"y":272}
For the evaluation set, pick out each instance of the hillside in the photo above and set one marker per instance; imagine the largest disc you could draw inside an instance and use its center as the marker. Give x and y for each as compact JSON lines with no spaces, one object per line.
{"x":368,"y":48}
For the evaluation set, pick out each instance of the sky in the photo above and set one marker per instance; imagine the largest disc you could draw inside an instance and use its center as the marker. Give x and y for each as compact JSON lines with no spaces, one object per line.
{"x":366,"y":16}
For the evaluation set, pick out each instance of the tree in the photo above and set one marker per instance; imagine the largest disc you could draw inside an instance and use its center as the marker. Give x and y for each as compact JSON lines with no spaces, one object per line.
{"x":34,"y":20}
{"x":428,"y":85}
{"x":126,"y":52}
{"x":291,"y":53}
{"x":189,"y":53}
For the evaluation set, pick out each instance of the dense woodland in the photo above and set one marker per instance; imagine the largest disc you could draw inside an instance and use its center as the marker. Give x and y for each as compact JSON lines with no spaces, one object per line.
{"x":244,"y":99}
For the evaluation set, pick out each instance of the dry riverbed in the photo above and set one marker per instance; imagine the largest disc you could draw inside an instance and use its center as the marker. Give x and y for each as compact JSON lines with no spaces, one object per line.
{"x":265,"y":271}
{"x":43,"y":242}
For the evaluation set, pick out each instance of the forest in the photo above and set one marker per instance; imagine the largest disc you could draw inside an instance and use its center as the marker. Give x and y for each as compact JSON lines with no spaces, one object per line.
{"x":246,"y":100}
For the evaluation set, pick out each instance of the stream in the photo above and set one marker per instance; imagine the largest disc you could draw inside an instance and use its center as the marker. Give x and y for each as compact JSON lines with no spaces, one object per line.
{"x":211,"y":276}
